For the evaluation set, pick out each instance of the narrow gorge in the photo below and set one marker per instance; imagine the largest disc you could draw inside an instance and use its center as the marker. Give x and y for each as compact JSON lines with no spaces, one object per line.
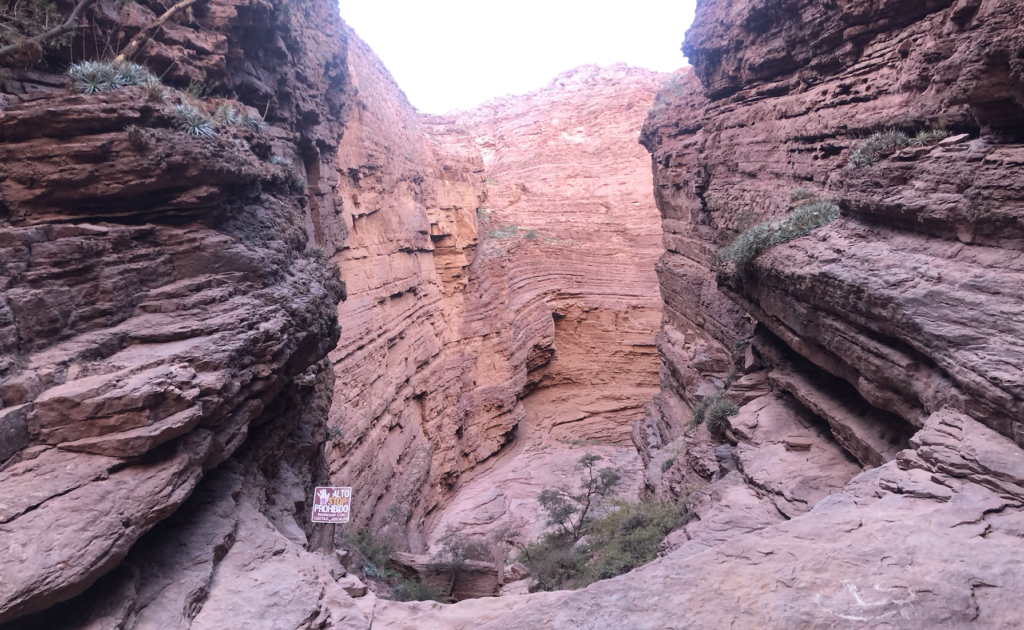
{"x":780,"y":291}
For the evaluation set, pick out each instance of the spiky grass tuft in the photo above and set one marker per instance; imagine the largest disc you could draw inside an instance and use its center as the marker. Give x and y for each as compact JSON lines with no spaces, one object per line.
{"x":714,"y":411}
{"x":155,"y":90}
{"x":316,"y":253}
{"x":193,"y":121}
{"x":226,"y":114}
{"x":801,"y":194}
{"x":928,"y":137}
{"x":91,"y":77}
{"x":253,"y":123}
{"x":877,"y":146}
{"x":755,"y":241}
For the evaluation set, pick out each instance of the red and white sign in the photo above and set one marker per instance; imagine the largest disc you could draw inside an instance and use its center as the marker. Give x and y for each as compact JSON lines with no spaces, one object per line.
{"x":331,"y":504}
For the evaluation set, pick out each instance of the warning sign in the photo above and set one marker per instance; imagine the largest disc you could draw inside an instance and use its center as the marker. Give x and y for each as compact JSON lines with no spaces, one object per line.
{"x":331,"y":504}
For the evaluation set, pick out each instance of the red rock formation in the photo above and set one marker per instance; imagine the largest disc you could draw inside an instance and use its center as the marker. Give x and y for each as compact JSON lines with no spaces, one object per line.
{"x":166,"y":405}
{"x":156,"y":308}
{"x":852,"y":299}
{"x":460,"y":342}
{"x":164,"y":302}
{"x":898,"y":317}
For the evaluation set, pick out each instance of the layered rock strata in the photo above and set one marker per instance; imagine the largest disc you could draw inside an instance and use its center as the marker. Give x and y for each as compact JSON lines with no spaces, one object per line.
{"x":883,"y":342}
{"x":908,"y":297}
{"x":157,"y":306}
{"x":926,"y":541}
{"x":502,"y":297}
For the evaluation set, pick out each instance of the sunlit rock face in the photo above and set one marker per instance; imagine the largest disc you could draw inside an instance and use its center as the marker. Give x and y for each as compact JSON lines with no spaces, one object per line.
{"x":168,"y":301}
{"x":174,"y":381}
{"x":502,"y":297}
{"x":877,"y":359}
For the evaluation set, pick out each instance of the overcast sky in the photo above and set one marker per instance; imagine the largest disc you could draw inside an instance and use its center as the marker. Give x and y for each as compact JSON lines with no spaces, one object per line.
{"x":456,"y":54}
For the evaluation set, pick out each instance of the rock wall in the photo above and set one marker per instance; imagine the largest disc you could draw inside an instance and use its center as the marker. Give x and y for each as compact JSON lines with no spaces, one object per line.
{"x":786,"y":109}
{"x":166,"y":315}
{"x":877,"y":372}
{"x":500,"y":268}
{"x":168,"y":298}
{"x":160,"y":309}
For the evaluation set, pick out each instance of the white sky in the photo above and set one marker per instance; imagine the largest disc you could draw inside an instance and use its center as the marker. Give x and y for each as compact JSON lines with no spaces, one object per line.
{"x":456,"y":54}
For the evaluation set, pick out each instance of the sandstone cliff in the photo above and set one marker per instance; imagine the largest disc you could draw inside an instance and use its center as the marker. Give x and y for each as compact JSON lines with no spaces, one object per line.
{"x":160,"y":308}
{"x":174,"y":380}
{"x":169,"y":298}
{"x":502,"y":297}
{"x":879,"y":380}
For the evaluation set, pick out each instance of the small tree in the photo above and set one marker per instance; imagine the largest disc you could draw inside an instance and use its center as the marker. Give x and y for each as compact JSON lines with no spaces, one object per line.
{"x":569,"y":511}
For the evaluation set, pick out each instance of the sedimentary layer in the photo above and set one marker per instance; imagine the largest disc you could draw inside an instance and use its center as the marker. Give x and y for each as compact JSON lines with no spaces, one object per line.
{"x":500,"y":268}
{"x":159,"y":299}
{"x":875,"y":359}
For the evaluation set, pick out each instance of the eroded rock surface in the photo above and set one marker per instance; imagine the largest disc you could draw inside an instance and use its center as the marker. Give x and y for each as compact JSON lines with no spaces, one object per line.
{"x":502,"y":298}
{"x":908,"y":296}
{"x":156,"y":303}
{"x":166,"y":408}
{"x":883,"y":342}
{"x":929,"y":540}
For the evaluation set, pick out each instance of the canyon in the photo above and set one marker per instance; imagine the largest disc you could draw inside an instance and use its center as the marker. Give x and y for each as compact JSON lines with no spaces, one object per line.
{"x":446,"y":311}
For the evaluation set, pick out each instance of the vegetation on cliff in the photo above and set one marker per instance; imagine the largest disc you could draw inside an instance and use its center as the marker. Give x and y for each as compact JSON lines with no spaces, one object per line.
{"x":755,"y":241}
{"x":569,"y":511}
{"x":882,"y":144}
{"x":584,"y":549}
{"x":612,"y":545}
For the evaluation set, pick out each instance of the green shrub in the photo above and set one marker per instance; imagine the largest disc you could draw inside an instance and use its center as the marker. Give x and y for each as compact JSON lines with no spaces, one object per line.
{"x":628,"y":538}
{"x":615,"y":544}
{"x":415,"y":591}
{"x":569,"y":511}
{"x":882,"y":144}
{"x":701,"y":408}
{"x":665,"y":465}
{"x":801,"y":194}
{"x":505,"y":231}
{"x":90,"y":77}
{"x":316,"y":253}
{"x":717,"y":413}
{"x":554,"y":562}
{"x":714,"y":410}
{"x":375,"y":552}
{"x":731,"y":377}
{"x":755,"y":241}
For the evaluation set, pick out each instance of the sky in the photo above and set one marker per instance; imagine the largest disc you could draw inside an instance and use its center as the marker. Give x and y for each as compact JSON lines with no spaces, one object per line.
{"x":456,"y":54}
